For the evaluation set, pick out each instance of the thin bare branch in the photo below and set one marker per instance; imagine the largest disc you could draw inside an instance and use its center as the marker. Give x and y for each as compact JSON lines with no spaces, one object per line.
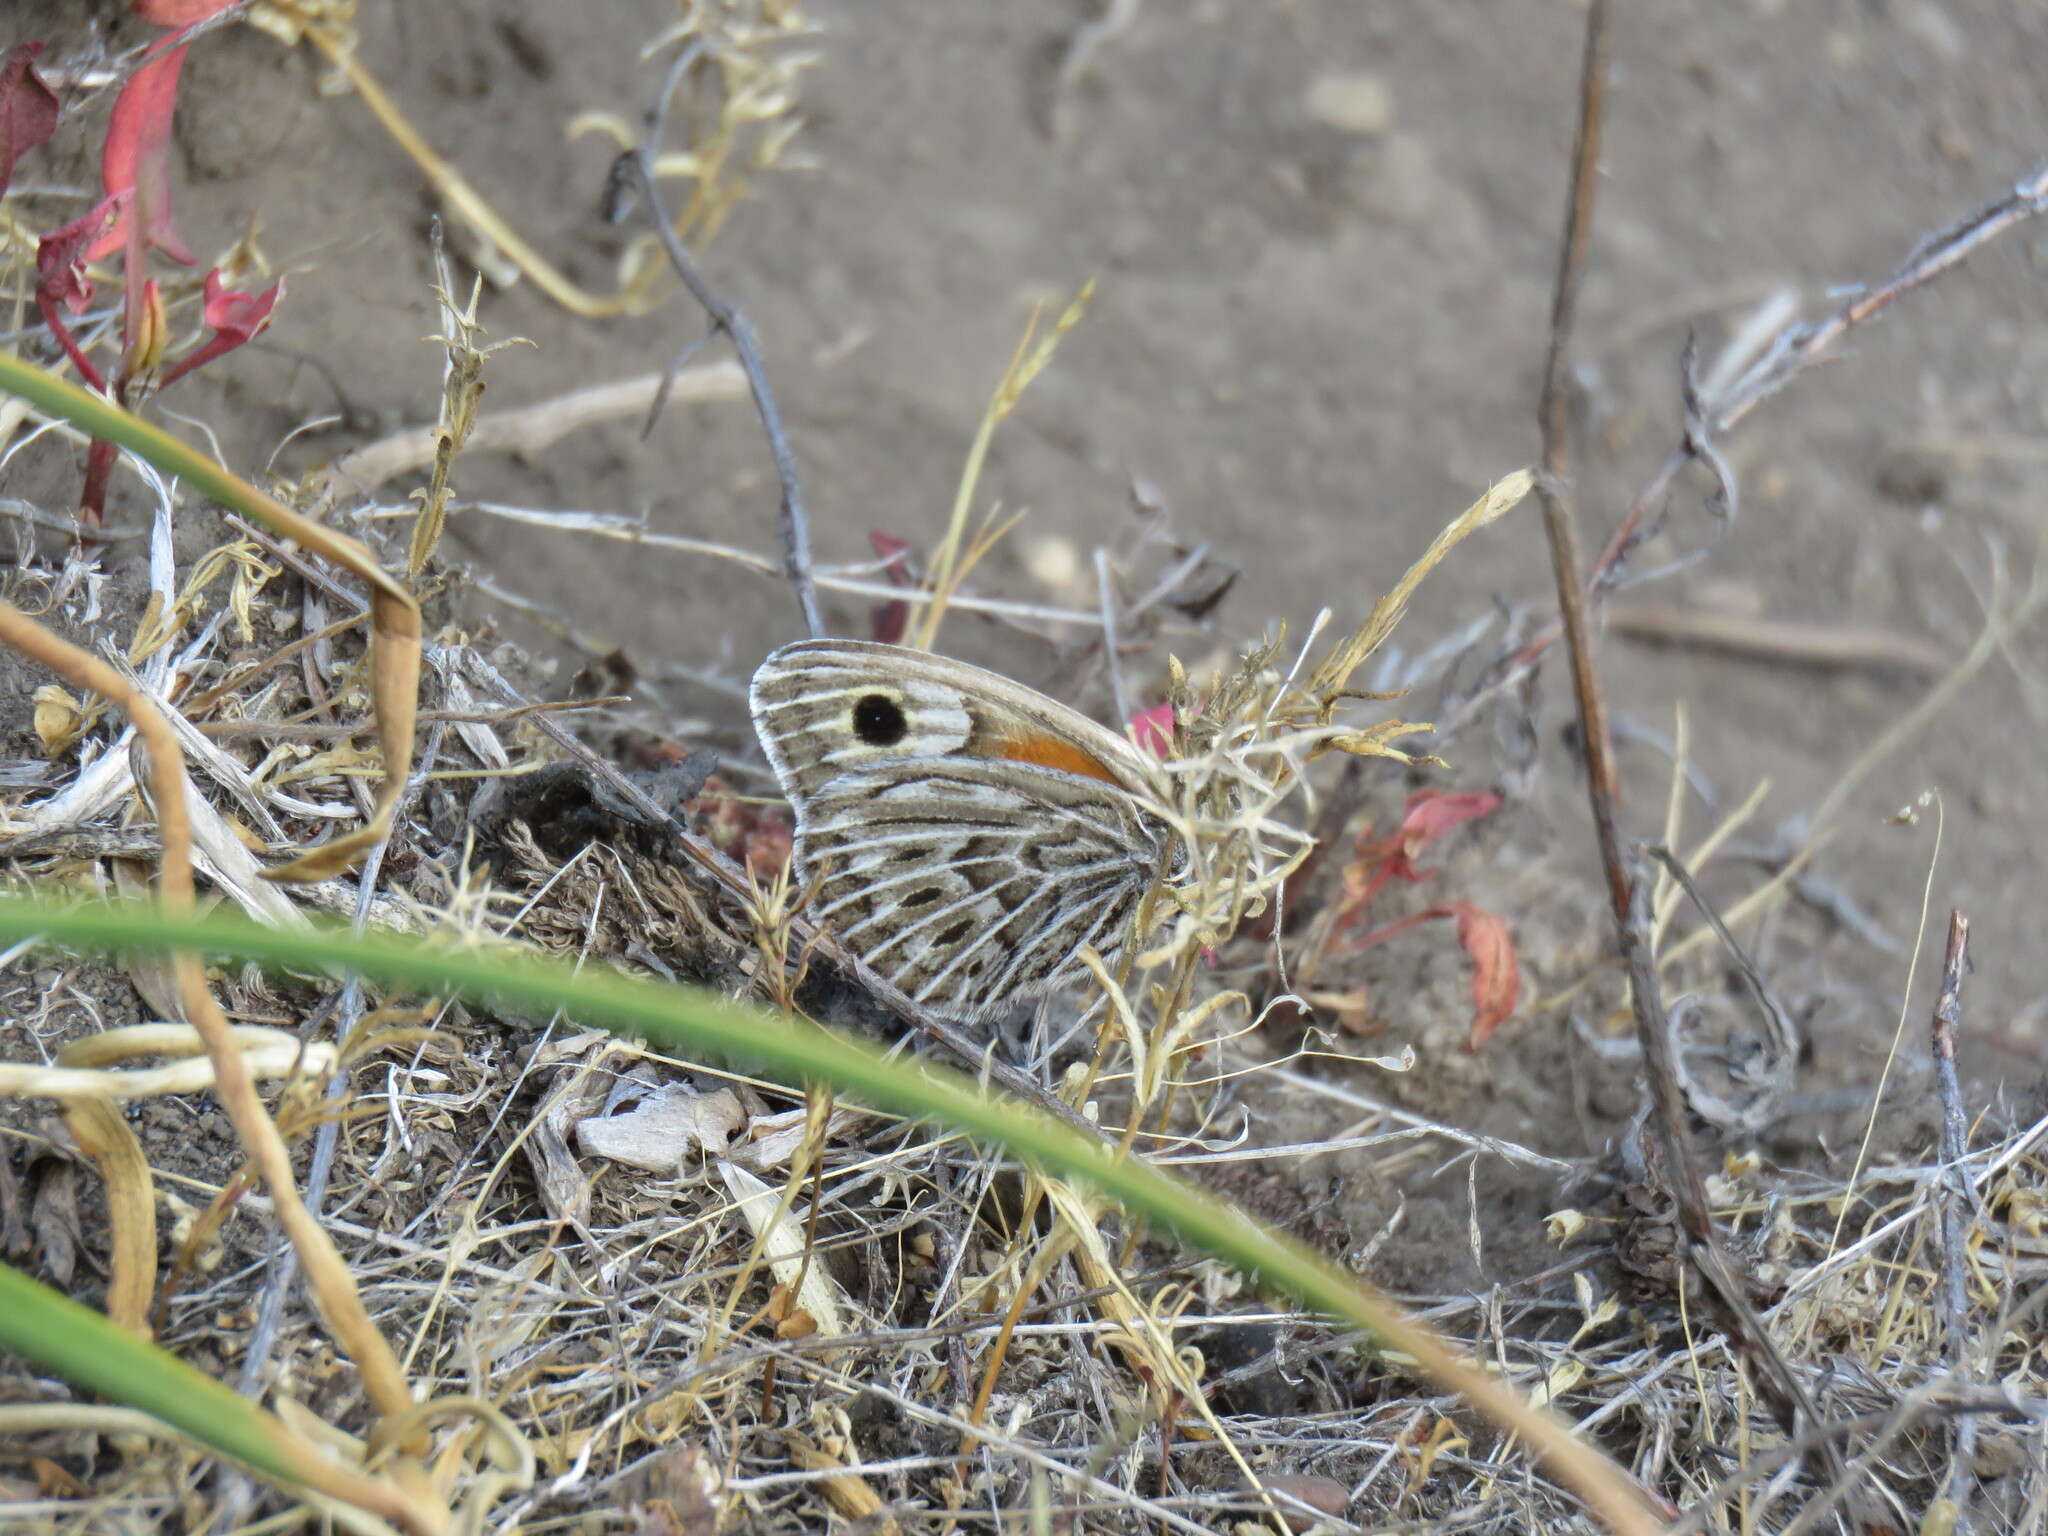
{"x":794,"y":525}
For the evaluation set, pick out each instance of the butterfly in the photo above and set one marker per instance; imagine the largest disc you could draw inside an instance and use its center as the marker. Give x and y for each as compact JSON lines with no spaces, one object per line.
{"x":961,"y":833}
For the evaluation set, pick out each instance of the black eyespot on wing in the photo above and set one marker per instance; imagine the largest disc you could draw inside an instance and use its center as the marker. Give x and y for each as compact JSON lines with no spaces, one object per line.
{"x":922,"y":897}
{"x":878,"y":720}
{"x":953,"y":934}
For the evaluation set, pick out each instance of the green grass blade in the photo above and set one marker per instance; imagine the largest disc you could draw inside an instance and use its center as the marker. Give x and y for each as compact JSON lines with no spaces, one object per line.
{"x":682,"y":1020}
{"x":100,"y":417}
{"x":86,"y":1349}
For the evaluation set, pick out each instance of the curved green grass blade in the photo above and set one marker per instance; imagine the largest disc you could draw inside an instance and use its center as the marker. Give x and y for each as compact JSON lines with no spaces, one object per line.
{"x":86,"y":1349}
{"x":99,"y":416}
{"x":681,"y":1019}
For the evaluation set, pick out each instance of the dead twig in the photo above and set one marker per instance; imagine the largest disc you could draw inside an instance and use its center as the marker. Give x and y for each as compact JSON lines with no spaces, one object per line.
{"x":333,"y":1288}
{"x":1784,"y":1037}
{"x":1552,"y":415}
{"x":1796,"y":348}
{"x":1800,"y":346}
{"x":1087,"y":40}
{"x":1630,"y":890}
{"x":1680,"y":1177}
{"x":1955,"y":1200}
{"x":1803,"y":343}
{"x":794,"y":525}
{"x":529,"y":429}
{"x":1796,"y":642}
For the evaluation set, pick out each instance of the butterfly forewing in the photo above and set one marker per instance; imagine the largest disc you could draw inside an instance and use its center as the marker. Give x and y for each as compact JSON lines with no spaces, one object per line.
{"x":943,"y":845}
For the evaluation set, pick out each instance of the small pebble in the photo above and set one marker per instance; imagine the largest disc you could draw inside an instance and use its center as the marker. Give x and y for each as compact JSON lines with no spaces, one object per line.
{"x":1324,"y":1494}
{"x":1359,"y":104}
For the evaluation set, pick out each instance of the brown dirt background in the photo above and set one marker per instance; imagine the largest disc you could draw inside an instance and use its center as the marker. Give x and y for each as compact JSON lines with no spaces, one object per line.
{"x":1318,"y":345}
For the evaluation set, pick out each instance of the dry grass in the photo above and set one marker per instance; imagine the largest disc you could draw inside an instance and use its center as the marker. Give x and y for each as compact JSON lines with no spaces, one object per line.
{"x":702,"y":1302}
{"x":838,"y":1316}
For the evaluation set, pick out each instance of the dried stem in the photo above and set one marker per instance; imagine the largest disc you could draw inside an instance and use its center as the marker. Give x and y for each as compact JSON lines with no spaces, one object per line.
{"x":794,"y":525}
{"x":1955,"y":1197}
{"x":1630,"y":890}
{"x":333,"y":1288}
{"x":1680,"y":1175}
{"x":1553,"y":416}
{"x":1795,"y":350}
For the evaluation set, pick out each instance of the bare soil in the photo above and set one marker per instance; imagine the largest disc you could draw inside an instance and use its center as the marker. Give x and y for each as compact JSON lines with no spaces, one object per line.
{"x":1313,"y":341}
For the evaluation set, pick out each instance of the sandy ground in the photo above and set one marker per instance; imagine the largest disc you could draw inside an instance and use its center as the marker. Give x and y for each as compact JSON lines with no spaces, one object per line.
{"x":1323,"y":235}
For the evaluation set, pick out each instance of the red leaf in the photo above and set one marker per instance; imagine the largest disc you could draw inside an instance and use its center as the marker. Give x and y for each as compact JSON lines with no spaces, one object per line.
{"x":236,"y":314}
{"x":178,"y":13}
{"x":234,"y":318}
{"x":1496,"y":973}
{"x":28,"y":108}
{"x":1428,"y":815}
{"x":1154,"y":729}
{"x":61,"y":282}
{"x":61,"y":258}
{"x":889,"y":620}
{"x":136,"y":158}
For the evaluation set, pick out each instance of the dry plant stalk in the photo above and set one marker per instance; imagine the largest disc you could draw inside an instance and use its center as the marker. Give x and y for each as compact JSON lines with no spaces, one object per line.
{"x":744,"y":42}
{"x":462,"y":391}
{"x":1240,"y":756}
{"x":1244,"y":751}
{"x":529,"y":429}
{"x":333,"y":1287}
{"x":957,"y":553}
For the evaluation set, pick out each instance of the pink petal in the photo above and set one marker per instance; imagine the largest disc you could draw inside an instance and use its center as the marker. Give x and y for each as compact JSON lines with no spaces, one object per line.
{"x":1154,"y":729}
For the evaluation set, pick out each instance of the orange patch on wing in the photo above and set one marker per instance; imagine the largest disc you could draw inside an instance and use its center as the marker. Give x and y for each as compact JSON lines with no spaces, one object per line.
{"x":1051,"y":752}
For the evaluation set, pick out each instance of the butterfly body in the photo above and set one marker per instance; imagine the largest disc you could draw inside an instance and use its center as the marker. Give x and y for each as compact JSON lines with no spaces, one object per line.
{"x":963,"y":834}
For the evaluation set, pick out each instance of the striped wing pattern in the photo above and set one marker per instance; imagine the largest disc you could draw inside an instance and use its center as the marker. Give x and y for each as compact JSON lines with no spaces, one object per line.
{"x":970,"y":881}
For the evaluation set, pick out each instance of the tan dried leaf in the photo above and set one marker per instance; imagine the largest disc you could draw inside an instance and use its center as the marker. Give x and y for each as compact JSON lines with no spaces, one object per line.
{"x":664,"y":1129}
{"x":60,"y":720}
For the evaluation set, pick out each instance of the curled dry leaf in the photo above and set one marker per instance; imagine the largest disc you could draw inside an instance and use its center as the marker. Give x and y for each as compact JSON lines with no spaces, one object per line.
{"x":60,"y":719}
{"x":664,"y":1130}
{"x":104,"y":1136}
{"x":1566,"y":1225}
{"x":1427,"y":816}
{"x":1496,"y":972}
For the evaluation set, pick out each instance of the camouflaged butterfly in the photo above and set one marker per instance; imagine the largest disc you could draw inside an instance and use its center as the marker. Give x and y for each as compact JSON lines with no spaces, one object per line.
{"x":966,"y":835}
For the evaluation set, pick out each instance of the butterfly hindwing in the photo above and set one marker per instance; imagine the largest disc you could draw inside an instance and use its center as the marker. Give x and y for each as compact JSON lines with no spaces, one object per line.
{"x":950,"y":846}
{"x":976,"y":885}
